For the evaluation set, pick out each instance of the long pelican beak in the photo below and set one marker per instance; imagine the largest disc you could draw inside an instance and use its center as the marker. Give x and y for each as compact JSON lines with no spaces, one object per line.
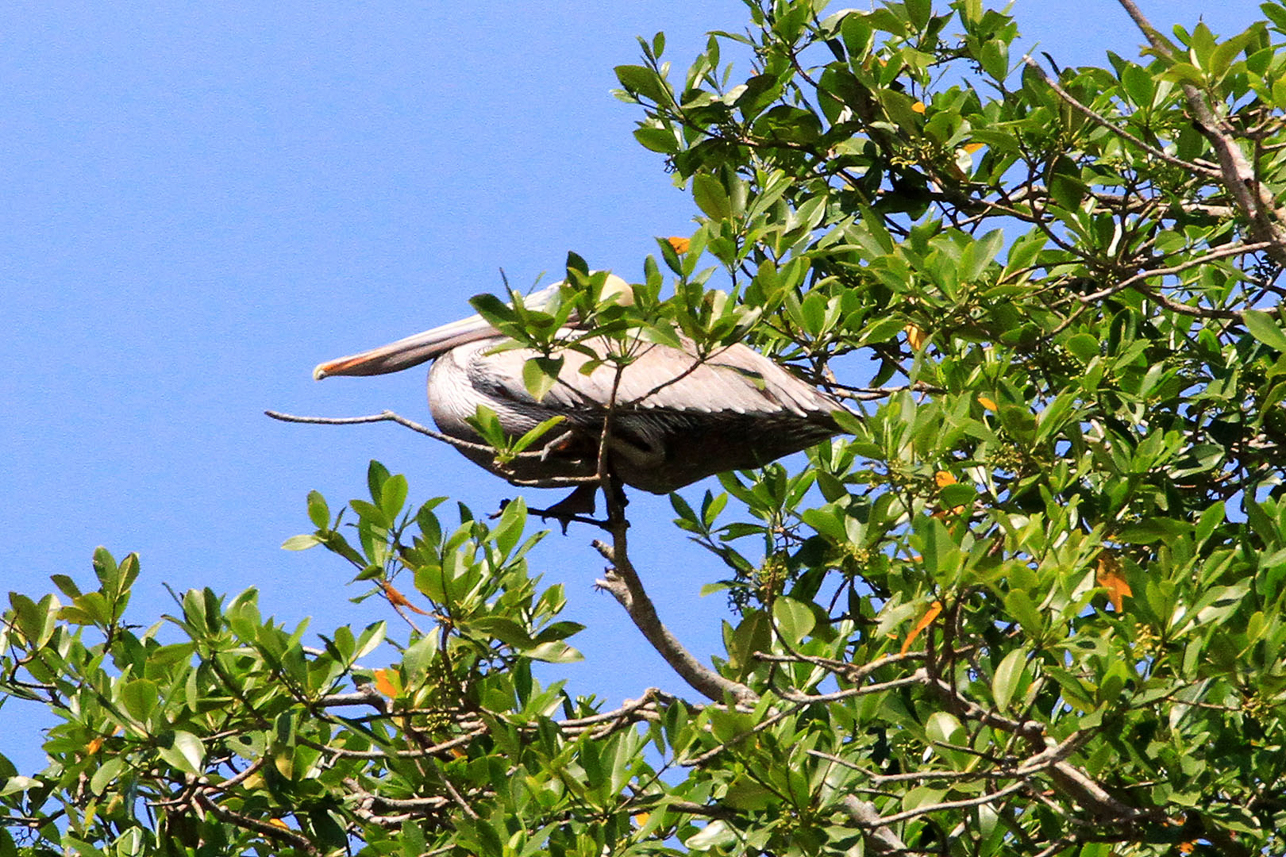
{"x":408,"y":352}
{"x":414,"y":350}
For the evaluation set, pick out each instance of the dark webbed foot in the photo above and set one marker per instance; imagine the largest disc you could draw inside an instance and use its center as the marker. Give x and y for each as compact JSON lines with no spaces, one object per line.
{"x":577,"y":506}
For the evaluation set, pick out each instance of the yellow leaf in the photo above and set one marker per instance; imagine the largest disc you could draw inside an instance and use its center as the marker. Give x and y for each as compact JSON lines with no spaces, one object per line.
{"x":1111,"y":578}
{"x":927,"y":619}
{"x":641,"y":818}
{"x":914,"y":336}
{"x":94,"y":746}
{"x":277,"y":822}
{"x":918,"y":107}
{"x":987,"y":403}
{"x":972,"y":147}
{"x":680,"y":245}
{"x":1187,"y":847}
{"x":384,"y":685}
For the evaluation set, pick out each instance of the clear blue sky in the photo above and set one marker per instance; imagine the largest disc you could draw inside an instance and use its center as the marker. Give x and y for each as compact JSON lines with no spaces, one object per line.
{"x":198,"y":203}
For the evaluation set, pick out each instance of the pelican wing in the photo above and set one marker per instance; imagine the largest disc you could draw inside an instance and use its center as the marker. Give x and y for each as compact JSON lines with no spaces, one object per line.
{"x":733,"y":380}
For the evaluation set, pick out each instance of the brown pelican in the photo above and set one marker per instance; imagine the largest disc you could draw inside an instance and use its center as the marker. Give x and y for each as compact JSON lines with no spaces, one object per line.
{"x":677,"y":417}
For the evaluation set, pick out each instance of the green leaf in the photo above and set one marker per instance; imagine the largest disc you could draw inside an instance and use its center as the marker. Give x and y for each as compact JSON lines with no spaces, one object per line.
{"x":794,"y":619}
{"x":301,"y":542}
{"x":318,"y":511}
{"x":104,"y":776}
{"x":657,"y":140}
{"x":1008,"y":674}
{"x":183,"y":750}
{"x":710,"y":196}
{"x":1138,"y":84}
{"x":1275,"y":13}
{"x":376,"y":473}
{"x":393,"y":496}
{"x":1264,"y":327}
{"x":642,"y":81}
{"x":554,"y":653}
{"x":139,"y":698}
{"x":540,"y":374}
{"x":943,"y":728}
{"x":66,"y":585}
{"x":716,"y":834}
{"x":1065,"y":184}
{"x":1153,"y":529}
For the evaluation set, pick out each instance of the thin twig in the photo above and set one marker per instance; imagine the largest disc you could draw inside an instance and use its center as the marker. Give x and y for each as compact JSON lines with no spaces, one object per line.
{"x":263,"y":828}
{"x":1116,"y":129}
{"x":463,"y":445}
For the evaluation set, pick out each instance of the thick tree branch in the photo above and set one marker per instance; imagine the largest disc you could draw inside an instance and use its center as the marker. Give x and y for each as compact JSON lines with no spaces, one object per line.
{"x":1255,"y":201}
{"x":623,"y":582}
{"x":881,"y":839}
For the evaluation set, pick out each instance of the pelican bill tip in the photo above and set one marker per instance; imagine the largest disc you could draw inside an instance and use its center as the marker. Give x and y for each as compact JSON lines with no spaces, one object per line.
{"x":320,"y":371}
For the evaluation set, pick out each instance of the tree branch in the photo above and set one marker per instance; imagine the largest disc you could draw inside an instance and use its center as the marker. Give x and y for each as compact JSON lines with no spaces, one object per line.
{"x":864,"y":814}
{"x":1104,"y":122}
{"x":263,"y":828}
{"x":462,"y":445}
{"x":623,"y":582}
{"x":1253,"y":199}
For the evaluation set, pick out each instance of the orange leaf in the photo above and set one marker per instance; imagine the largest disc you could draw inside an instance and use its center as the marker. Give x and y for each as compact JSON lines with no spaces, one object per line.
{"x":397,"y":599}
{"x":942,"y":479}
{"x":988,"y":404}
{"x":1187,"y":847}
{"x":384,"y":685}
{"x":918,"y":107}
{"x":641,"y":818}
{"x":277,"y":822}
{"x":680,"y":245}
{"x":914,"y":336}
{"x":927,"y":619}
{"x":1111,"y":578}
{"x":94,"y":746}
{"x":972,"y":147}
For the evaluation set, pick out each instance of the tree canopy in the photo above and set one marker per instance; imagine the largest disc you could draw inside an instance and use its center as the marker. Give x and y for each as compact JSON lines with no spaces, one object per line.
{"x":1029,"y":603}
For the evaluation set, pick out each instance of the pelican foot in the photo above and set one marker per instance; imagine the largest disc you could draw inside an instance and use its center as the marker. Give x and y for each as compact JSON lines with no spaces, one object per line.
{"x":577,"y":506}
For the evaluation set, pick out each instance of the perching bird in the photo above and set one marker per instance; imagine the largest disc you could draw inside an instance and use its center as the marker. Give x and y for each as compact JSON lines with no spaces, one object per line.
{"x":676,"y":417}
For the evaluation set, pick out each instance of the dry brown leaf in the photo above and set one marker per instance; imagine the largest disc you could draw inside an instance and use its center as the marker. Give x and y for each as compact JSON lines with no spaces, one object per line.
{"x":397,"y":599}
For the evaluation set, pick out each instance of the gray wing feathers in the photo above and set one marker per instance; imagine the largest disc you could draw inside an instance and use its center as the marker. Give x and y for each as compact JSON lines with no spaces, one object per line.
{"x":734,"y":379}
